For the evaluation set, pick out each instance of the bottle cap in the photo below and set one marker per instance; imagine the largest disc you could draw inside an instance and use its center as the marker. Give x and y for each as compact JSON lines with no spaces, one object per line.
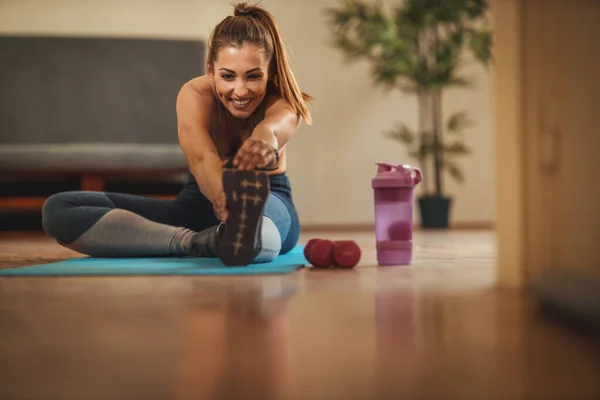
{"x":390,"y":175}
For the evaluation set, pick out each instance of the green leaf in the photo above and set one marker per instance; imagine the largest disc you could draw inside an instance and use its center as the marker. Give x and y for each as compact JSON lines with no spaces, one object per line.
{"x":456,"y":149}
{"x":412,"y":14}
{"x":476,"y":9}
{"x":402,"y":133}
{"x":446,"y":11}
{"x":458,"y":122}
{"x":447,"y":55}
{"x":454,"y":170}
{"x":388,"y":73}
{"x":480,"y":43}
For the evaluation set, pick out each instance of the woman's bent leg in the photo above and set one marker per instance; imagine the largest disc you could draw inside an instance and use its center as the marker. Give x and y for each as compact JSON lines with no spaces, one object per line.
{"x":121,"y":225}
{"x":282,"y":212}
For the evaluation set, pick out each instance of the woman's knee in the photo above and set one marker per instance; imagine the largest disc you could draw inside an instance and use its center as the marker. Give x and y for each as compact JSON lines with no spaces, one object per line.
{"x":64,"y":219}
{"x":270,"y":241}
{"x":283,"y":214}
{"x":291,"y":239}
{"x":51,"y":211}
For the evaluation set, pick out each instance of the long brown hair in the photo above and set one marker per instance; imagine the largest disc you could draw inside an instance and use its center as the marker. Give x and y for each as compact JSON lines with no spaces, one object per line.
{"x":252,"y":24}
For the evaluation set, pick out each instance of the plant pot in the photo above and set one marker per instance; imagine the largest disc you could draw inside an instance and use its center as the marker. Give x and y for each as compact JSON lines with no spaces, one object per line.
{"x":435,"y":211}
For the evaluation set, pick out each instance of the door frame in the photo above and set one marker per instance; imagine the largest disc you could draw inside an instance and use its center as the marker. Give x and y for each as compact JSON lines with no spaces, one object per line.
{"x":527,"y":143}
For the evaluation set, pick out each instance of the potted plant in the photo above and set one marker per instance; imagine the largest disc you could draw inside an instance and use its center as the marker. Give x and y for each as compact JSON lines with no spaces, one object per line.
{"x":418,"y":47}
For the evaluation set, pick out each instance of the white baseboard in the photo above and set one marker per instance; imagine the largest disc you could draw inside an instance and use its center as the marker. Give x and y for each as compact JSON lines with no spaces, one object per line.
{"x":363,"y":227}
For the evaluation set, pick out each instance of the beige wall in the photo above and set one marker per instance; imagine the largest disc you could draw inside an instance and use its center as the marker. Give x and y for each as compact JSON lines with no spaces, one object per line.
{"x":349,"y":113}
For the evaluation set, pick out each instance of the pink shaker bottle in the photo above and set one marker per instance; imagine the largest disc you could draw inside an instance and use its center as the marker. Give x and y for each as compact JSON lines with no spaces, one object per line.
{"x":393,"y":186}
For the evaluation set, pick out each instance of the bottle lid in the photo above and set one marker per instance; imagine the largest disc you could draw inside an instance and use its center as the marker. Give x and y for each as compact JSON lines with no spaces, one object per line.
{"x":390,"y":175}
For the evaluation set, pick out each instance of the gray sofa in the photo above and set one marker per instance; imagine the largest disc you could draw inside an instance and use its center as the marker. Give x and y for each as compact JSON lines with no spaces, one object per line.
{"x":92,"y":107}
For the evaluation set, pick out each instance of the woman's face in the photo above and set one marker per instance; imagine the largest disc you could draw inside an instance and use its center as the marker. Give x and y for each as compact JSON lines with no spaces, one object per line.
{"x":241,"y":76}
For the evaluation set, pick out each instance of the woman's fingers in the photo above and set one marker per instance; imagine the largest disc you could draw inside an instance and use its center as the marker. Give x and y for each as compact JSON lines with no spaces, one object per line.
{"x":258,"y":157}
{"x":253,"y":154}
{"x":266,"y":160}
{"x":246,"y":154}
{"x":241,"y":154}
{"x":220,"y":207}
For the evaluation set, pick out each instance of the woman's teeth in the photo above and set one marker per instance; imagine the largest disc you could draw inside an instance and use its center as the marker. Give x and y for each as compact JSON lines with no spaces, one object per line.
{"x":240,"y":103}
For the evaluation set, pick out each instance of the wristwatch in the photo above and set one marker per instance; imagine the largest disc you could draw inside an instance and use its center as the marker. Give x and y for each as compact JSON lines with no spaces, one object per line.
{"x":273,"y":165}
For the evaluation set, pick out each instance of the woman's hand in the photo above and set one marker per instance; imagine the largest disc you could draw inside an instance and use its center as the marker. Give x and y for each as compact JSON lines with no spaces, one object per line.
{"x":220,"y":207}
{"x":220,"y":201}
{"x":255,"y":153}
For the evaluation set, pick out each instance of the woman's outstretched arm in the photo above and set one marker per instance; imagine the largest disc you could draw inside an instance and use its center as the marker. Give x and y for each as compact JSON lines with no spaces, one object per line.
{"x":194,"y":111}
{"x":270,"y":135}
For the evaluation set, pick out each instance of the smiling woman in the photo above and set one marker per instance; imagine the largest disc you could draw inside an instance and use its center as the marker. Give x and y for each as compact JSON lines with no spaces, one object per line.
{"x":233,"y":125}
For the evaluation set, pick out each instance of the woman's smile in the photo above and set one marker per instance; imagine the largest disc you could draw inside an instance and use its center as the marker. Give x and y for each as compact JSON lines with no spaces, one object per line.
{"x":241,"y":104}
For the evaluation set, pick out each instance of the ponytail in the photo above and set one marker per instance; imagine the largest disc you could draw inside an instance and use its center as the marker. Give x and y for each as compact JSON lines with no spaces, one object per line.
{"x":256,"y":25}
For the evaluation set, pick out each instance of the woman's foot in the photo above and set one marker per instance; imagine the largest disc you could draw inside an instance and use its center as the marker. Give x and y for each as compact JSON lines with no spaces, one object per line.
{"x":205,"y":243}
{"x":246,"y":193}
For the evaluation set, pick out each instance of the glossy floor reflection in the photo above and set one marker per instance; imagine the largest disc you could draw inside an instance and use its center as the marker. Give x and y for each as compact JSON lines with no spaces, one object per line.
{"x":433,"y":330}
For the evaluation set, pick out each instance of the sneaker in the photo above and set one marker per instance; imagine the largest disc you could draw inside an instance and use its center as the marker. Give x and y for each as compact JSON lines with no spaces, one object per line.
{"x":205,"y":243}
{"x":246,"y":193}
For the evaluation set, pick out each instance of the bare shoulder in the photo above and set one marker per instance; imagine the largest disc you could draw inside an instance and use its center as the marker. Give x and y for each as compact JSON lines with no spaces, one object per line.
{"x":196,"y":99}
{"x":275,"y":105}
{"x":202,"y":85}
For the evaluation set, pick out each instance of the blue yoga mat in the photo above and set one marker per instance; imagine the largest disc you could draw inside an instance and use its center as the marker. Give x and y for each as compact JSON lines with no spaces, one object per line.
{"x":86,"y":266}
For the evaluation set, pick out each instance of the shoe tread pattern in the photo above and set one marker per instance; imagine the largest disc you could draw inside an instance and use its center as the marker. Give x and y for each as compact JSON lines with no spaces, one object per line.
{"x":246,"y":193}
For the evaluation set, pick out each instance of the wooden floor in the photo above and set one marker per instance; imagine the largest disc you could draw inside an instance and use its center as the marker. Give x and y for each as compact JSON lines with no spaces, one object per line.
{"x":435,"y":330}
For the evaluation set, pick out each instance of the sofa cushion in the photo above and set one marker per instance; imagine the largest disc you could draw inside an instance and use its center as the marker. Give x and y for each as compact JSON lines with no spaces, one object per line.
{"x":91,"y":157}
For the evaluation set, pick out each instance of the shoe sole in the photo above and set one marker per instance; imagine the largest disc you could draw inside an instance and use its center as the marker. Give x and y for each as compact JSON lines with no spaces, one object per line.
{"x":246,"y":193}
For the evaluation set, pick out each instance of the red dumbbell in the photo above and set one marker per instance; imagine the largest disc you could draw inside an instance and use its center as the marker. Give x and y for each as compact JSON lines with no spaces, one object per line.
{"x":308,"y":248}
{"x":346,"y":253}
{"x":319,"y":252}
